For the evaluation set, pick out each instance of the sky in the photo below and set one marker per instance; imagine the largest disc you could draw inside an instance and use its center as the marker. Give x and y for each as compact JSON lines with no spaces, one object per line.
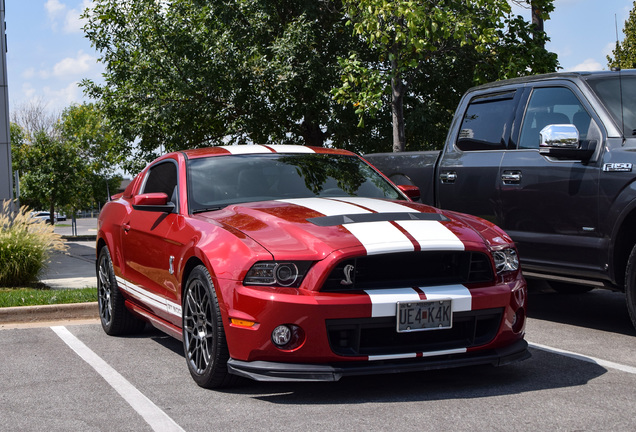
{"x":48,"y":54}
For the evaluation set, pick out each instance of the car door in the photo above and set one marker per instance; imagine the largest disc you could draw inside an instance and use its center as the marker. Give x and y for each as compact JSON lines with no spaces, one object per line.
{"x":468,"y":174}
{"x":549,"y":206}
{"x":146,"y":235}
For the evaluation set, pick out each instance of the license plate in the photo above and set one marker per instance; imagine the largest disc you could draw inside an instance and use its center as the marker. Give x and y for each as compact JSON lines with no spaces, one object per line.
{"x":424,"y":315}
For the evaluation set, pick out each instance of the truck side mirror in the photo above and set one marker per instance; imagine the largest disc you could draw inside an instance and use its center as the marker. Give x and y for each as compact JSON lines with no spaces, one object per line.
{"x":561,"y":141}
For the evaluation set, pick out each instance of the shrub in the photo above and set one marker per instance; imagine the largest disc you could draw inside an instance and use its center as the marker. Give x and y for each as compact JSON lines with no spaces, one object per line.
{"x":25,"y":246}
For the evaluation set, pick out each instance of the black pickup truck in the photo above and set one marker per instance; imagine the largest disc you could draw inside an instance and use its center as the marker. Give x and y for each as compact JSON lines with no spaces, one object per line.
{"x":550,"y":159}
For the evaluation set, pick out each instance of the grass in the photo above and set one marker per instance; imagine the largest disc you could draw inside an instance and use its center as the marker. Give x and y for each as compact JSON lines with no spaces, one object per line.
{"x":43,"y":296}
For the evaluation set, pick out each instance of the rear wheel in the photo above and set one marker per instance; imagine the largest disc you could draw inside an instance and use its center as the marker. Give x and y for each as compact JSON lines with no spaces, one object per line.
{"x":115,"y":318}
{"x":204,"y":340}
{"x":630,"y":286}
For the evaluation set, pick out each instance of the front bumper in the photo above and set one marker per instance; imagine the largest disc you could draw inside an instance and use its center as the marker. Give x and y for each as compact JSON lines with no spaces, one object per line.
{"x":273,"y":371}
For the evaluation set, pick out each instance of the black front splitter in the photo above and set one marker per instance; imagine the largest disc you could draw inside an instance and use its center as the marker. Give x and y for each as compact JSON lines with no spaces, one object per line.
{"x":272,"y":371}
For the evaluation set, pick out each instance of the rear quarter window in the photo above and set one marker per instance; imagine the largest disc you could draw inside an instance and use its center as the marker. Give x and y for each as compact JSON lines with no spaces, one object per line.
{"x":485,"y":122}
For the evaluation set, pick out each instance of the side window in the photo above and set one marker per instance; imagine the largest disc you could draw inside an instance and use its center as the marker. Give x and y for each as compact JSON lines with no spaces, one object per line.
{"x":163,"y":178}
{"x":484,"y":123}
{"x":553,"y":105}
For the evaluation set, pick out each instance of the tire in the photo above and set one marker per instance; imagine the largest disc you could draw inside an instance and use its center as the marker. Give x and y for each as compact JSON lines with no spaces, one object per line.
{"x":570,"y":288}
{"x":204,"y":340}
{"x":116,"y":319}
{"x":630,"y":286}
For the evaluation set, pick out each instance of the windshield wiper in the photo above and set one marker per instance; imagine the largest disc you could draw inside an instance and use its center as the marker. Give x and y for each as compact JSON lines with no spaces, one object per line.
{"x":207,"y":209}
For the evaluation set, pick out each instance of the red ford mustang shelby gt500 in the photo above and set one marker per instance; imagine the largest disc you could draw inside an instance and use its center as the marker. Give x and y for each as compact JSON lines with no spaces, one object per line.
{"x":299,"y":263}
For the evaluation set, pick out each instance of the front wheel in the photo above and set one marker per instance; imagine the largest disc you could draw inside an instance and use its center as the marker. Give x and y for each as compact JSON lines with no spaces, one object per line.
{"x":204,"y":340}
{"x":630,"y":286}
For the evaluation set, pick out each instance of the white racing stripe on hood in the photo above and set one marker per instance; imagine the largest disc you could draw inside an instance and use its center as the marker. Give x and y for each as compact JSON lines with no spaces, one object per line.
{"x":327,"y":207}
{"x":381,"y":236}
{"x":432,"y":235}
{"x":378,"y":205}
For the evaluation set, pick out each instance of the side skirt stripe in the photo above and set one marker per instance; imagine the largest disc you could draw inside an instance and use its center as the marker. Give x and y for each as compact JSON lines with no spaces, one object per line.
{"x":149,"y":298}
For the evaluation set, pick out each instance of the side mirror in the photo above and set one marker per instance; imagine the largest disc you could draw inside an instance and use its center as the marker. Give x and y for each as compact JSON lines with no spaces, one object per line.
{"x":562,"y":141}
{"x":413,"y":192}
{"x":154,"y":202}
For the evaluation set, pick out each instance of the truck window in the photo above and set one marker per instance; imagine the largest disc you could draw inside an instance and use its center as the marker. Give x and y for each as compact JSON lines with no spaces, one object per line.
{"x":484,"y":123}
{"x":552,"y":105}
{"x":621,"y":107}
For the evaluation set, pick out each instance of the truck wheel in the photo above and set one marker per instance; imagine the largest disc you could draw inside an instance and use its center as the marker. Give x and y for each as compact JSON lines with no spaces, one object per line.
{"x":630,"y":286}
{"x":569,"y":288}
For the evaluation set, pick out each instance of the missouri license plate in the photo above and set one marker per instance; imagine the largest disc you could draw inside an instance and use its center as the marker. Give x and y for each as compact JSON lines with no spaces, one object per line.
{"x":424,"y":315}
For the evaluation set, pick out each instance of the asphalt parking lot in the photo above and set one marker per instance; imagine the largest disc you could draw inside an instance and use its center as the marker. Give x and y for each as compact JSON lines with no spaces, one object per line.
{"x":582,"y":376}
{"x":69,"y":375}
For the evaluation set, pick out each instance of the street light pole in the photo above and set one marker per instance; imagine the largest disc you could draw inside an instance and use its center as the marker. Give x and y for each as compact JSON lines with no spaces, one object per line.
{"x":6,"y":175}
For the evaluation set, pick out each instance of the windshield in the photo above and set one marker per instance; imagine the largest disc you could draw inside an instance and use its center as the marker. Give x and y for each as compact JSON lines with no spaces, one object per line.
{"x":216,"y":182}
{"x":608,"y":90}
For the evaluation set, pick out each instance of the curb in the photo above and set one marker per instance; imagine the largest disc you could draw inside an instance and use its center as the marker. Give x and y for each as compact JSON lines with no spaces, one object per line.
{"x":31,"y":314}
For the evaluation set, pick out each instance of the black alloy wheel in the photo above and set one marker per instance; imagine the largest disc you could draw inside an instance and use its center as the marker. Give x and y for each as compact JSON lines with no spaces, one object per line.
{"x":115,"y":318}
{"x":204,"y":340}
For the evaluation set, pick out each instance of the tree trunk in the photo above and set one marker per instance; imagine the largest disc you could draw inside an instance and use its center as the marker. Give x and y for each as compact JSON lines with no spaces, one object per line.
{"x":397,"y":110}
{"x":537,"y":20}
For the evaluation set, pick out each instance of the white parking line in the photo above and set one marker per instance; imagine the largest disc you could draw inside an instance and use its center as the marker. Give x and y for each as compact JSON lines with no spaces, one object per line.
{"x":153,"y":415}
{"x":600,"y":362}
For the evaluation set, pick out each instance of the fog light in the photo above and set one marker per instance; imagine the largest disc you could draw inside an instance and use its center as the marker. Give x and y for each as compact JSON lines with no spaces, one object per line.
{"x":281,"y":335}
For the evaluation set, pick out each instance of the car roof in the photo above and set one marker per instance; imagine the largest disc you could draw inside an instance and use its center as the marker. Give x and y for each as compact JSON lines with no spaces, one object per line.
{"x":582,"y":75}
{"x":259,"y":149}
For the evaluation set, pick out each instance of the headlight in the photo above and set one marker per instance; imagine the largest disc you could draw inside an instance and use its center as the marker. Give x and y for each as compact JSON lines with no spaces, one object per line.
{"x":506,"y":260}
{"x":272,"y":273}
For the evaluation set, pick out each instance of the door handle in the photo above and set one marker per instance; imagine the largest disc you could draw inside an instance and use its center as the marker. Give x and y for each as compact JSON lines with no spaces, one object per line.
{"x":511,"y":177}
{"x":448,"y":177}
{"x":125,"y":227}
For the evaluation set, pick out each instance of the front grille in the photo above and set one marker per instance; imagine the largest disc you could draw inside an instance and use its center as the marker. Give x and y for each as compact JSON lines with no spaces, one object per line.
{"x":409,"y":269}
{"x":378,"y":336}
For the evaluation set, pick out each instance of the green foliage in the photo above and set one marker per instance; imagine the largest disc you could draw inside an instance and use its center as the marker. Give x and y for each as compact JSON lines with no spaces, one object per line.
{"x":69,"y":166}
{"x":191,"y":73}
{"x":13,"y":297}
{"x":25,"y":245}
{"x":427,"y":54}
{"x":624,"y":54}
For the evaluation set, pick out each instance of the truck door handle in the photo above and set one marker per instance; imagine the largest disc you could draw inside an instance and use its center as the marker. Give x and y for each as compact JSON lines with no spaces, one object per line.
{"x":448,"y":177}
{"x":511,"y":177}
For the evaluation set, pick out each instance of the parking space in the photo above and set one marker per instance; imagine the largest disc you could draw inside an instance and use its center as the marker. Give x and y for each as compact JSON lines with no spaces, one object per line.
{"x":142,"y":383}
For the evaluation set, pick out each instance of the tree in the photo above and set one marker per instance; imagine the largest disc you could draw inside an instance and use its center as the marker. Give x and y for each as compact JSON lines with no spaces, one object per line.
{"x":433,"y":41}
{"x":191,"y":73}
{"x":51,"y":174}
{"x":69,"y":164}
{"x":86,"y":129}
{"x":624,"y":54}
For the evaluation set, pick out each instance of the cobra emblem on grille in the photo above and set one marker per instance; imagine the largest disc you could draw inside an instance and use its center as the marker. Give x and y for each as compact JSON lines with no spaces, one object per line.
{"x":348,"y":274}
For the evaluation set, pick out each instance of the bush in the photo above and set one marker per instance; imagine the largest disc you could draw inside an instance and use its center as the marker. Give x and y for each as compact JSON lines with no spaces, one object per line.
{"x":25,"y":246}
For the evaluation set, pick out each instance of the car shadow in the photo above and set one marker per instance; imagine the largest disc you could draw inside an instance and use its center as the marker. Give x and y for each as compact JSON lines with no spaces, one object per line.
{"x":599,"y":309}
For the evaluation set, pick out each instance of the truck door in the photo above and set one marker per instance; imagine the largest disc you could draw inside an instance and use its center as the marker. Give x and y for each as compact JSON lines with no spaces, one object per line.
{"x":467,"y":177}
{"x":550,"y":206}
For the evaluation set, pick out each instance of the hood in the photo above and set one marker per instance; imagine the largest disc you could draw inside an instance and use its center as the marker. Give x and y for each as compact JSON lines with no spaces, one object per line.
{"x":312,"y":228}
